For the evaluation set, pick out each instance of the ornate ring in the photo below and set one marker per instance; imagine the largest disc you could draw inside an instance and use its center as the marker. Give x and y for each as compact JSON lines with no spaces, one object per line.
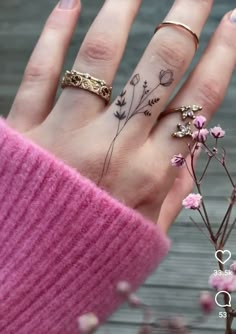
{"x":87,"y":82}
{"x":179,"y":25}
{"x":183,"y":130}
{"x":186,"y":111}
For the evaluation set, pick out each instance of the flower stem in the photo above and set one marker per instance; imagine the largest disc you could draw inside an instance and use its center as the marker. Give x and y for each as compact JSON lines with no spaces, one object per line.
{"x":222,"y":162}
{"x":205,"y":169}
{"x":227,"y":214}
{"x":229,"y":232}
{"x":228,"y":174}
{"x":205,"y":216}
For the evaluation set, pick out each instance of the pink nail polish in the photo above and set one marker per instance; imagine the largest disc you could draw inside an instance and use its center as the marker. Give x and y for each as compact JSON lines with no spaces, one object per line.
{"x":68,"y":4}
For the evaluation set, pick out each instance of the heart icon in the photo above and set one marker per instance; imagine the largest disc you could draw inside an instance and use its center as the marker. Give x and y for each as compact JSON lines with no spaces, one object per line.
{"x":218,"y":257}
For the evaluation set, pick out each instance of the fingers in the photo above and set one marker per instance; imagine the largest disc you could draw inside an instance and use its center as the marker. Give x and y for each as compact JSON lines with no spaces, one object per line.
{"x":206,"y":87}
{"x":37,"y":92}
{"x":172,"y":204}
{"x":163,"y":64}
{"x":100,"y":56}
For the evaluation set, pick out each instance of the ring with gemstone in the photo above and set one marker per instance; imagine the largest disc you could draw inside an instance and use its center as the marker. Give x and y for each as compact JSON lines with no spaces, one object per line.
{"x":186,"y":111}
{"x":183,"y":130}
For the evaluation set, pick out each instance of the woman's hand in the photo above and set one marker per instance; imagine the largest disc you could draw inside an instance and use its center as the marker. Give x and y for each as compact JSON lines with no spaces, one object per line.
{"x":122,"y":147}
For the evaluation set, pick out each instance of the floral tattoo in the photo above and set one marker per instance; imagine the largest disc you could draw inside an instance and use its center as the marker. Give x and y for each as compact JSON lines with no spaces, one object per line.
{"x":125,"y":112}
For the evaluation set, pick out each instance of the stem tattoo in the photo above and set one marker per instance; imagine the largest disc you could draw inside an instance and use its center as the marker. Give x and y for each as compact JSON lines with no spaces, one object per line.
{"x":126,"y":111}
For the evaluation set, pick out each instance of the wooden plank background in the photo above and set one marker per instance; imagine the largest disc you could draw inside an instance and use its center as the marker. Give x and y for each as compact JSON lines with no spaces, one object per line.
{"x":175,"y":287}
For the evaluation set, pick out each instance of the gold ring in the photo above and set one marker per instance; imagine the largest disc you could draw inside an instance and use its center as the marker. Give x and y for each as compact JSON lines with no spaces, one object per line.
{"x":179,"y":25}
{"x":87,"y":82}
{"x":183,"y":129}
{"x":186,"y":111}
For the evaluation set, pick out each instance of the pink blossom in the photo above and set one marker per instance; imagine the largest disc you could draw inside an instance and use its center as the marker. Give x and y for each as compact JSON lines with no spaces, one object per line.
{"x":217,"y":132}
{"x":134,"y":300}
{"x":207,"y":302}
{"x":123,"y":288}
{"x":88,"y":323}
{"x":178,"y":160}
{"x":199,"y":122}
{"x":200,"y":135}
{"x":223,"y":282}
{"x":233,"y":267}
{"x":192,"y":201}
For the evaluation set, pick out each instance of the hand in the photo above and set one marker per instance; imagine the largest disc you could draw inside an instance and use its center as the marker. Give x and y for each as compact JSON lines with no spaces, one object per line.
{"x":122,"y":147}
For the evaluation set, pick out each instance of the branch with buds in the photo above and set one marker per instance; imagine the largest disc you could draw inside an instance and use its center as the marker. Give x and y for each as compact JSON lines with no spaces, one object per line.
{"x":195,"y":201}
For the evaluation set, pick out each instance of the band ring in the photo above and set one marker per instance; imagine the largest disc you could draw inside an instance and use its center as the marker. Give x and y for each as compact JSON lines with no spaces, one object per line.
{"x":87,"y":82}
{"x":182,"y":26}
{"x":186,"y":111}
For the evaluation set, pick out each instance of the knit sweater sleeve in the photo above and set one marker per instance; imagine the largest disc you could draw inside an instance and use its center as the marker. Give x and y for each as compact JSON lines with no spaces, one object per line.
{"x":64,"y":243}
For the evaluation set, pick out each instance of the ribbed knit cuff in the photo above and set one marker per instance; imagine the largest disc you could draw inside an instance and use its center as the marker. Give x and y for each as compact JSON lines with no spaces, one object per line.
{"x":64,"y":243}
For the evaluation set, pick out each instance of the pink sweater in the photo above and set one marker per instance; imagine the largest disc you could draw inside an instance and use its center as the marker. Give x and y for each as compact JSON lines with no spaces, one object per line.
{"x":64,"y":243}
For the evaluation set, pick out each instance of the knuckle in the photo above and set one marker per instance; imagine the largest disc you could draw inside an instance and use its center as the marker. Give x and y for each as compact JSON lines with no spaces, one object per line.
{"x":172,"y":54}
{"x":210,"y":93}
{"x":151,"y":186}
{"x":39,"y":73}
{"x":98,"y":49}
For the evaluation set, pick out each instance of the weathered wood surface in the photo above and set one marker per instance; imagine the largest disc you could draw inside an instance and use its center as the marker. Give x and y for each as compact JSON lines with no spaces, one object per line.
{"x":175,"y":287}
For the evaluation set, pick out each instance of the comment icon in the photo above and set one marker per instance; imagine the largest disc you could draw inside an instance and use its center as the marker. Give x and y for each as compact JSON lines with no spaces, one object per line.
{"x":219,"y":296}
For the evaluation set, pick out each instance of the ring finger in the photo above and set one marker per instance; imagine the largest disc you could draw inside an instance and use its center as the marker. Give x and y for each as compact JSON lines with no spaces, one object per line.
{"x":206,"y":86}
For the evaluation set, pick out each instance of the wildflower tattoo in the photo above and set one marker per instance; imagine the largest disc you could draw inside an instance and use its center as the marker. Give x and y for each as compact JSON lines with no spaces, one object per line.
{"x":126,"y":110}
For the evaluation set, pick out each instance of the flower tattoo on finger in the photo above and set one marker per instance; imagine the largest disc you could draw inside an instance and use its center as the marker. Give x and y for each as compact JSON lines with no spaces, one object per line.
{"x":127,"y":110}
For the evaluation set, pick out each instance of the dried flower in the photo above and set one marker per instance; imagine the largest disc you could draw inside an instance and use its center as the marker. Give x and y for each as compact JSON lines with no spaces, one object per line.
{"x":223,"y":282}
{"x":200,"y":135}
{"x":199,"y":122}
{"x":134,"y":301}
{"x":233,"y":267}
{"x":217,"y":132}
{"x":88,"y":323}
{"x":214,"y":150}
{"x":178,"y":160}
{"x":207,"y":302}
{"x":123,"y":288}
{"x":135,"y":80}
{"x":166,"y":78}
{"x":192,"y":201}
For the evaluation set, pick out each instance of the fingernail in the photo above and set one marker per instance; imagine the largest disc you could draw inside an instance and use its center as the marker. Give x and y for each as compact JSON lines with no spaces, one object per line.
{"x":68,"y":4}
{"x":233,"y":16}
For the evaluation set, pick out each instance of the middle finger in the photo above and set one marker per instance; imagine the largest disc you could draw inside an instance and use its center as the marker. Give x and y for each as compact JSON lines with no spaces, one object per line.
{"x":162,"y":66}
